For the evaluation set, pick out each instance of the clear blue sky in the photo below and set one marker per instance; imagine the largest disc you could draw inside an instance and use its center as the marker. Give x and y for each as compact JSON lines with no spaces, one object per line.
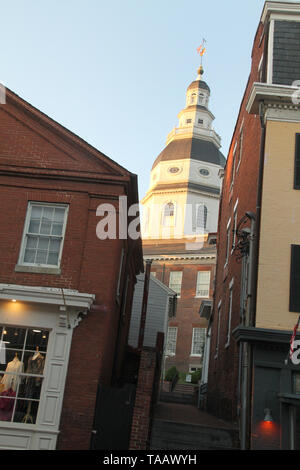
{"x":115,"y":72}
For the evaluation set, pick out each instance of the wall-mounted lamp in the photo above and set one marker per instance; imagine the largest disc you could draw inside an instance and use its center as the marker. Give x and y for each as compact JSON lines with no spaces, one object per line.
{"x":268,"y":416}
{"x":13,"y":300}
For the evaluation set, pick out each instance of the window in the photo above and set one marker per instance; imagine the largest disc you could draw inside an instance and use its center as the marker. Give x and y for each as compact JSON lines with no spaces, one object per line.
{"x":168,"y":214}
{"x":295,"y":279}
{"x":176,"y":281}
{"x":203,"y":284}
{"x":43,"y":234}
{"x":198,"y":341}
{"x":200,"y":220}
{"x":233,"y":165}
{"x":188,"y":121}
{"x":202,"y":217}
{"x":201,"y":98}
{"x":200,"y":121}
{"x":171,"y":341}
{"x":297,"y":163}
{"x":218,"y":329}
{"x":193,"y":98}
{"x":240,"y":151}
{"x":193,"y":368}
{"x":227,"y":242}
{"x":234,"y":226}
{"x":22,"y":360}
{"x":229,"y":313}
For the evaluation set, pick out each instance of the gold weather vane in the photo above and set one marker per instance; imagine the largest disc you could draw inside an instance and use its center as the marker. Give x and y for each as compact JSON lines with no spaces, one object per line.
{"x":202,"y":49}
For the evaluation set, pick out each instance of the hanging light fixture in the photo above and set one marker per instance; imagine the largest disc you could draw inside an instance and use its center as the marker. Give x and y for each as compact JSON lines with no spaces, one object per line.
{"x":268,"y":416}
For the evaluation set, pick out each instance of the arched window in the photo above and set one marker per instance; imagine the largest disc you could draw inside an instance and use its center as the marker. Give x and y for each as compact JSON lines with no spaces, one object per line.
{"x":201,"y":217}
{"x":201,"y":98}
{"x":168,"y":214}
{"x":193,"y":98}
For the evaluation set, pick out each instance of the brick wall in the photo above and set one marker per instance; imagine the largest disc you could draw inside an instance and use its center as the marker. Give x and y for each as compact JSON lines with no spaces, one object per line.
{"x":187,"y":312}
{"x":146,"y":394}
{"x":223,"y":369}
{"x":43,"y":162}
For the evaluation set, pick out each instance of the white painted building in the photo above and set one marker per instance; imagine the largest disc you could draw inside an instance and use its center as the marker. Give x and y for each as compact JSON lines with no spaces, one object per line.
{"x":161,"y":306}
{"x":184,"y":191}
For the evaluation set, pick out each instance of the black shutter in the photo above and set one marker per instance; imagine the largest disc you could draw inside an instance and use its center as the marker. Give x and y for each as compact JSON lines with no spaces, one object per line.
{"x":297,"y":163}
{"x":295,"y":279}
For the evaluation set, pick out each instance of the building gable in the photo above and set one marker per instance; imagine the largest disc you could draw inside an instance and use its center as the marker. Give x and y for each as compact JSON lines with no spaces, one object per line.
{"x":31,"y":141}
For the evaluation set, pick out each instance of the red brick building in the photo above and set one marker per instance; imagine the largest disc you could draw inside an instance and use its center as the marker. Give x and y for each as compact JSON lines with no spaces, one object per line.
{"x":256,"y":301}
{"x":186,"y":337}
{"x":65,"y":294}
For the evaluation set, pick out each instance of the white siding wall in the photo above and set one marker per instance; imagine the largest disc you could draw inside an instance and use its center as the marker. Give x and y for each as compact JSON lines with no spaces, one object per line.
{"x":156,"y":319}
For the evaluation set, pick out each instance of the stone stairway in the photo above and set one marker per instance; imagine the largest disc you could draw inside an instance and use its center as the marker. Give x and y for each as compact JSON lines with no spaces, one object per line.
{"x":182,"y":393}
{"x":184,"y":427}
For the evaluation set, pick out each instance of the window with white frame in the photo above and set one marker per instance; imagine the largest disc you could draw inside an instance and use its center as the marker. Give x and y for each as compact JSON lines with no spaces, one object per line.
{"x":229,"y":313}
{"x":175,"y":281}
{"x":234,"y":226}
{"x":198,"y":341}
{"x":218,"y":329}
{"x":43,"y":235}
{"x":203,"y":284}
{"x":171,"y":341}
{"x":228,"y":242}
{"x":233,"y":164}
{"x":193,"y":368}
{"x":168,"y":215}
{"x":22,"y":360}
{"x":201,"y":218}
{"x":240,"y":151}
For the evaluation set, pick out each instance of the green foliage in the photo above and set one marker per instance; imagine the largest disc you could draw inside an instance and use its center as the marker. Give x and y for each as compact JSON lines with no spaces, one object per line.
{"x":196,"y":376}
{"x":170,"y":374}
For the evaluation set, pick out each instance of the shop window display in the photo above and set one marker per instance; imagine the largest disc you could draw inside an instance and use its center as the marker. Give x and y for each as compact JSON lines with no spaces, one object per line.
{"x":22,"y":361}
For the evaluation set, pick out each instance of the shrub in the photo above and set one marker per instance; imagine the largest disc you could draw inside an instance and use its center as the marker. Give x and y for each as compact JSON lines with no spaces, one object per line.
{"x":196,"y":376}
{"x":171,"y":373}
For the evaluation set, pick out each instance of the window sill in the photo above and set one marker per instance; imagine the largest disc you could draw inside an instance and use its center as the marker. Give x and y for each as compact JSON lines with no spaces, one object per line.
{"x":36,"y":269}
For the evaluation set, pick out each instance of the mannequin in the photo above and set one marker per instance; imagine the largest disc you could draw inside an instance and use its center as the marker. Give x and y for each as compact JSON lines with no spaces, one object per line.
{"x":12,"y":380}
{"x":32,"y":385}
{"x":9,"y":383}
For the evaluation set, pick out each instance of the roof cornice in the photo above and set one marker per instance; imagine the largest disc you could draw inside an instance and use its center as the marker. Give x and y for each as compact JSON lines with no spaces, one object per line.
{"x":46,"y":295}
{"x":268,"y":93}
{"x":286,"y":8}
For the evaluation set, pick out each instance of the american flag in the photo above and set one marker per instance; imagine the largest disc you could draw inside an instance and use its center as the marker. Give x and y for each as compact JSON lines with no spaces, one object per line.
{"x":293,"y":337}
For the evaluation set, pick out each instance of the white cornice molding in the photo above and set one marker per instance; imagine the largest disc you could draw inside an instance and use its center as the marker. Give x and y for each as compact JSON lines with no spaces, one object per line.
{"x":280,"y":8}
{"x":172,"y":257}
{"x":270,"y":94}
{"x":46,"y":295}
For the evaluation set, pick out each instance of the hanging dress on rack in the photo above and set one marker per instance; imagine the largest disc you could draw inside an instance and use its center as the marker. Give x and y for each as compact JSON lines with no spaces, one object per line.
{"x":35,"y":366}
